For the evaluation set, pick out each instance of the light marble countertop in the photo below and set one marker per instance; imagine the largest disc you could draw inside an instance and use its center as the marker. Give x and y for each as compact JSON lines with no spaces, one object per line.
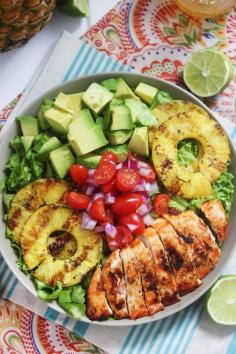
{"x":18,"y":66}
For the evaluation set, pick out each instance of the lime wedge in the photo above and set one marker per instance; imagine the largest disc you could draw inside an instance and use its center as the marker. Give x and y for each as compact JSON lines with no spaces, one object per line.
{"x":207,"y":72}
{"x":221,"y":301}
{"x":75,"y":8}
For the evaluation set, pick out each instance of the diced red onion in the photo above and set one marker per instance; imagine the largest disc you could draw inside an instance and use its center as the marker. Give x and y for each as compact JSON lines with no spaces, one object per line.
{"x":90,"y":190}
{"x":110,"y":230}
{"x":90,"y":180}
{"x":139,"y":188}
{"x":100,"y":228}
{"x":144,"y":209}
{"x":132,"y":227}
{"x":91,"y":172}
{"x":132,"y":164}
{"x":110,"y":198}
{"x":145,"y":196}
{"x":87,"y":222}
{"x":153,"y":189}
{"x":98,"y":195}
{"x":148,"y":219}
{"x":143,"y":171}
{"x":88,"y":207}
{"x":142,"y":164}
{"x":119,"y":166}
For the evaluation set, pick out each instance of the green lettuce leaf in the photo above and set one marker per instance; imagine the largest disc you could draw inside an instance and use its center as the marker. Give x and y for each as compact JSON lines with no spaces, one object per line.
{"x":187,"y":152}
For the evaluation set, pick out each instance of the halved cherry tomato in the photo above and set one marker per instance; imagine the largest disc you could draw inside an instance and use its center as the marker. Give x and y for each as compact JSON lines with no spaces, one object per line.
{"x":127,"y":203}
{"x":97,"y":210}
{"x":132,"y":156}
{"x":161,"y":204}
{"x":77,"y":201}
{"x":79,"y":174}
{"x":109,"y":156}
{"x":109,"y":187}
{"x":123,"y":237}
{"x":151,"y":174}
{"x":127,"y":179}
{"x":134,"y":220}
{"x":105,"y":172}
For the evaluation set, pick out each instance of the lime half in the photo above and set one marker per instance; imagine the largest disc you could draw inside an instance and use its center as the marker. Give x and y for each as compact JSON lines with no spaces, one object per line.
{"x":75,"y":8}
{"x":207,"y":72}
{"x":221,"y":301}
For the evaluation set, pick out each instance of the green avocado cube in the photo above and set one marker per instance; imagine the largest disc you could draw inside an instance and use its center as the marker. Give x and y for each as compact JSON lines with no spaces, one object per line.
{"x":50,"y":145}
{"x":119,"y":137}
{"x":146,"y":92}
{"x":82,"y":120}
{"x":61,"y":160}
{"x":27,"y":142}
{"x":69,"y":103}
{"x":140,"y":112}
{"x":29,"y":125}
{"x":121,"y":118}
{"x":139,"y":141}
{"x":58,"y":120}
{"x":96,"y":97}
{"x":124,"y":91}
{"x":89,"y":160}
{"x":47,"y":104}
{"x":110,"y":84}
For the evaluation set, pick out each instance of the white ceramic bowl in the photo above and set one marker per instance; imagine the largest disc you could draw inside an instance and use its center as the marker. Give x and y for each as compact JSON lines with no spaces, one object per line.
{"x":80,"y":85}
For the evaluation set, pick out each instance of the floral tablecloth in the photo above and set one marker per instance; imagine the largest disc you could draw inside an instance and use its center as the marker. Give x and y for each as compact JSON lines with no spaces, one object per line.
{"x":155,"y":38}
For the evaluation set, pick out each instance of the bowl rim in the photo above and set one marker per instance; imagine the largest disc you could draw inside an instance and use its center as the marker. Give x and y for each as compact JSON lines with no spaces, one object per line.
{"x":187,"y":299}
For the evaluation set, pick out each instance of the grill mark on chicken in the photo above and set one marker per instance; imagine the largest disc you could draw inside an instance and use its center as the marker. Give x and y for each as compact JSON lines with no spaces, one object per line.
{"x":166,"y":281}
{"x":179,"y":257}
{"x":114,"y":285}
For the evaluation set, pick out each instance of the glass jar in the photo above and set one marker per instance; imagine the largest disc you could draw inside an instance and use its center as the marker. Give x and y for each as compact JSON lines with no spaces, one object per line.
{"x":205,"y":8}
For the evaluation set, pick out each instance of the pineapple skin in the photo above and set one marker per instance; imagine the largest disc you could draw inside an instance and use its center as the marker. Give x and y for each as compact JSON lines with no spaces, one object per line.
{"x":192,"y":181}
{"x":22,"y":19}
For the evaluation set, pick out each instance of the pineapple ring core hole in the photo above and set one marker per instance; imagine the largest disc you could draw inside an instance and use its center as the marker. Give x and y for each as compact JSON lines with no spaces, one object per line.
{"x":62,"y":245}
{"x":195,"y":151}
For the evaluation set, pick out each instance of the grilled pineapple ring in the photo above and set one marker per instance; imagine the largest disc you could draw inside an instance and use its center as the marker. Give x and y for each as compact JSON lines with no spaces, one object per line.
{"x":34,"y":242}
{"x":193,"y":181}
{"x":30,"y":198}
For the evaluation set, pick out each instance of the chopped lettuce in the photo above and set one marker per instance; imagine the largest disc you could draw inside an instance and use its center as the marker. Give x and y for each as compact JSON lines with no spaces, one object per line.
{"x":187,"y":152}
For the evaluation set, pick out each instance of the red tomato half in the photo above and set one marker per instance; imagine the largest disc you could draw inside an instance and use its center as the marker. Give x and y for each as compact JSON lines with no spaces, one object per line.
{"x":133,"y":219}
{"x":123,"y":237}
{"x":105,"y":172}
{"x":161,"y":204}
{"x":127,"y":203}
{"x":109,"y":156}
{"x":127,"y":179}
{"x":77,"y":201}
{"x":79,"y":174}
{"x":109,"y":187}
{"x":151,"y":174}
{"x":98,"y":211}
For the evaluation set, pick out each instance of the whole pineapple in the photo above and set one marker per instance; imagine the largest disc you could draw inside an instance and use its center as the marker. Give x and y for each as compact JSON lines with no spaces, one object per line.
{"x":21,"y":19}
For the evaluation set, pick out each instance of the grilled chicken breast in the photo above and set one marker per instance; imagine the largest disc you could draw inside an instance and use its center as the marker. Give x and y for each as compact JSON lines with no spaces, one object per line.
{"x":97,"y":307}
{"x":166,"y":281}
{"x":216,"y":216}
{"x":148,"y":276}
{"x":179,"y":257}
{"x":135,"y":297}
{"x":114,"y":285}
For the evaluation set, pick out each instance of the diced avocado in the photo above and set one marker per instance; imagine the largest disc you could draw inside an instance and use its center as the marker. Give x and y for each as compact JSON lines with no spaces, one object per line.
{"x":69,"y":103}
{"x":161,"y":97}
{"x":46,"y":105}
{"x":58,"y":120}
{"x":82,"y":120}
{"x":146,"y":92}
{"x":116,"y":102}
{"x":120,"y":118}
{"x":110,"y":84}
{"x":119,"y":137}
{"x":49,"y":173}
{"x":52,"y":144}
{"x":96,"y":97}
{"x":27,"y":142}
{"x":29,"y":125}
{"x":89,"y":160}
{"x":139,"y":141}
{"x":100,"y":121}
{"x":124,"y":91}
{"x":140,"y":112}
{"x":120,"y":150}
{"x":86,"y":141}
{"x":108,"y":112}
{"x":61,"y":160}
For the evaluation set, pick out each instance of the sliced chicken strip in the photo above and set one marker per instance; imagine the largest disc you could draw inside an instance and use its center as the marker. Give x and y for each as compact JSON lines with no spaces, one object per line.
{"x":114,"y":285}
{"x":193,"y":231}
{"x":166,"y":281}
{"x":148,"y":276}
{"x":97,"y":307}
{"x":216,"y":216}
{"x":179,"y":257}
{"x":135,"y":297}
